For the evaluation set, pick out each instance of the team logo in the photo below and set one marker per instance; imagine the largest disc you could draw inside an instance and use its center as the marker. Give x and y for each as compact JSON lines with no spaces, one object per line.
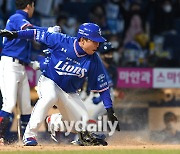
{"x":101,"y":78}
{"x":68,"y":69}
{"x":82,"y":32}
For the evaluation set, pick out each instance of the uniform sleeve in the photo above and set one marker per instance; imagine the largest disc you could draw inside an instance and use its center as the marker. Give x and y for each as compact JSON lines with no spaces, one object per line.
{"x":97,"y":75}
{"x":40,"y":28}
{"x":106,"y":98}
{"x":52,"y":40}
{"x":19,"y":23}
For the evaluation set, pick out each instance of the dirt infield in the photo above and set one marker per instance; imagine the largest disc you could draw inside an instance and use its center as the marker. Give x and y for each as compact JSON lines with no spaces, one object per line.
{"x":71,"y":147}
{"x":118,"y":141}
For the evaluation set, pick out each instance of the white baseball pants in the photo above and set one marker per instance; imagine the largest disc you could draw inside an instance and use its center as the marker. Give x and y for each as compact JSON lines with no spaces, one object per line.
{"x":69,"y":104}
{"x":14,"y":86}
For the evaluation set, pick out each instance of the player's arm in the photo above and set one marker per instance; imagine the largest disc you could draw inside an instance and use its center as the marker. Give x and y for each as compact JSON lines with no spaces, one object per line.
{"x":49,"y":39}
{"x":106,"y":98}
{"x":28,"y":25}
{"x":98,"y":83}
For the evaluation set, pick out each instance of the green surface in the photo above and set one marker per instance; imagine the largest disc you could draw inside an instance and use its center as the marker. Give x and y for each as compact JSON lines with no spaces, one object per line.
{"x":144,"y":151}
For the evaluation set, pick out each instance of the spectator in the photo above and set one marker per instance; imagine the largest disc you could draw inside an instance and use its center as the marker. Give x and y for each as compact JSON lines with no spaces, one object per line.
{"x":134,"y":21}
{"x":163,"y":17}
{"x":98,"y":15}
{"x":135,"y":51}
{"x":169,"y":134}
{"x":135,"y":27}
{"x":115,"y":19}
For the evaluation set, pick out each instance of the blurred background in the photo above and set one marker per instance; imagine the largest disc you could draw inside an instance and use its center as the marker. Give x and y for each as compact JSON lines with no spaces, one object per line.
{"x":146,"y":38}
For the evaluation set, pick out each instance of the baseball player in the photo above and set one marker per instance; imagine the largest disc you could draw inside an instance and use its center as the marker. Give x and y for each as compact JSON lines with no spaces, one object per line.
{"x":72,"y":60}
{"x":15,"y":55}
{"x":92,"y":102}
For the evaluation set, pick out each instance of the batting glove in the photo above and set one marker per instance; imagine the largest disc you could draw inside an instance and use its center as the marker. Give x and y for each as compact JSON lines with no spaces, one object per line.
{"x":9,"y":34}
{"x":112,"y":117}
{"x":55,"y":29}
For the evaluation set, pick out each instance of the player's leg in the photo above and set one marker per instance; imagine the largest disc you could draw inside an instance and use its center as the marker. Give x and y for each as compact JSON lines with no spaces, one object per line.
{"x":47,"y":98}
{"x":9,"y":84}
{"x":72,"y":109}
{"x":99,"y":111}
{"x":24,"y":103}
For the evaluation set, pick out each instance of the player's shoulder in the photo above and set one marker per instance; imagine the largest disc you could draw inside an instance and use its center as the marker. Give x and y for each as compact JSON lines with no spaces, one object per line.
{"x":95,"y":56}
{"x":66,"y":39}
{"x":95,"y":59}
{"x":16,"y":17}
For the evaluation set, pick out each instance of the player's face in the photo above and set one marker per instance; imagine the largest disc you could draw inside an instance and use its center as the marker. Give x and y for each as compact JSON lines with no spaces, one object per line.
{"x":89,"y":46}
{"x":31,"y":10}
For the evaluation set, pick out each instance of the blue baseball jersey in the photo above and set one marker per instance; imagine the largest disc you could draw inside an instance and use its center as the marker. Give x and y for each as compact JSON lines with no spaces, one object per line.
{"x":18,"y":48}
{"x":70,"y":65}
{"x":44,"y":61}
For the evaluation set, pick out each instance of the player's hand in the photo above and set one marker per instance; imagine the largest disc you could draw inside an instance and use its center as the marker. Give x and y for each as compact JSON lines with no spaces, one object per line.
{"x":55,"y":29}
{"x":9,"y":34}
{"x":35,"y":65}
{"x":112,"y":117}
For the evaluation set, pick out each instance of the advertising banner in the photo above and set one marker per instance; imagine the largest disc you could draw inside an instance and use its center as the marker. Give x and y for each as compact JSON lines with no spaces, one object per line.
{"x":135,"y":77}
{"x":166,"y":78}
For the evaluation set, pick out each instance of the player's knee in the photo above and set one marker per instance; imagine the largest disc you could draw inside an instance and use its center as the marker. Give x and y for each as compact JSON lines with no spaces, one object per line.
{"x":51,"y":98}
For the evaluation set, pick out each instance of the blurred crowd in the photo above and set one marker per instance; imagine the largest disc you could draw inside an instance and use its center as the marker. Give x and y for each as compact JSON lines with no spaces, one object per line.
{"x":145,"y":33}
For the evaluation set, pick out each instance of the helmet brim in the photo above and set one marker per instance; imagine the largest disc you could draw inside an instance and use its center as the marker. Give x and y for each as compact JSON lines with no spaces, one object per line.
{"x":98,"y":39}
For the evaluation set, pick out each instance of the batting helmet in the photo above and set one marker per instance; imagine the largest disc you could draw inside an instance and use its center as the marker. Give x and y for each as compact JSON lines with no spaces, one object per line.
{"x":90,"y":31}
{"x":105,"y":48}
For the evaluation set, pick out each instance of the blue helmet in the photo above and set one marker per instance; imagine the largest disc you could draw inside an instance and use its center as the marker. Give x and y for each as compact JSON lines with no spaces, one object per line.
{"x":106,"y":47}
{"x":90,"y":31}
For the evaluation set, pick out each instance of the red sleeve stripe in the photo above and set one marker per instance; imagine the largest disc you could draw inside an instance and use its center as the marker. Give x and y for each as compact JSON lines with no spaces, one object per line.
{"x":26,"y":25}
{"x":100,"y":90}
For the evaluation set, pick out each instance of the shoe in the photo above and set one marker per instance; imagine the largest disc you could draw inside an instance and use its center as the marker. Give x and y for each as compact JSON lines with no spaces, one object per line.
{"x":56,"y":138}
{"x":31,"y":141}
{"x":90,"y":139}
{"x":1,"y":141}
{"x":77,"y":142}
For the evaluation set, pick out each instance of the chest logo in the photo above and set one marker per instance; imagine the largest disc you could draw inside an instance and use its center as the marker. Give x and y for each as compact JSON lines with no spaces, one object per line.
{"x":70,"y":69}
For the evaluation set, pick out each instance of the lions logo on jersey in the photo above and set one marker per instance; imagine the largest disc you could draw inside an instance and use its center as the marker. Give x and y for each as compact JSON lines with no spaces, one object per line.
{"x":67,"y":69}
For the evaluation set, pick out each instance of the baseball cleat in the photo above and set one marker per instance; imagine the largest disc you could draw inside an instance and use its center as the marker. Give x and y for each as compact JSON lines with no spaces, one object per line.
{"x":90,"y":139}
{"x":31,"y":141}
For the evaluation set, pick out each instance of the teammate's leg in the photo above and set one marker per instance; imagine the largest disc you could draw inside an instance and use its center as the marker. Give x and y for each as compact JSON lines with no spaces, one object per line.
{"x":24,"y":103}
{"x":9,"y":84}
